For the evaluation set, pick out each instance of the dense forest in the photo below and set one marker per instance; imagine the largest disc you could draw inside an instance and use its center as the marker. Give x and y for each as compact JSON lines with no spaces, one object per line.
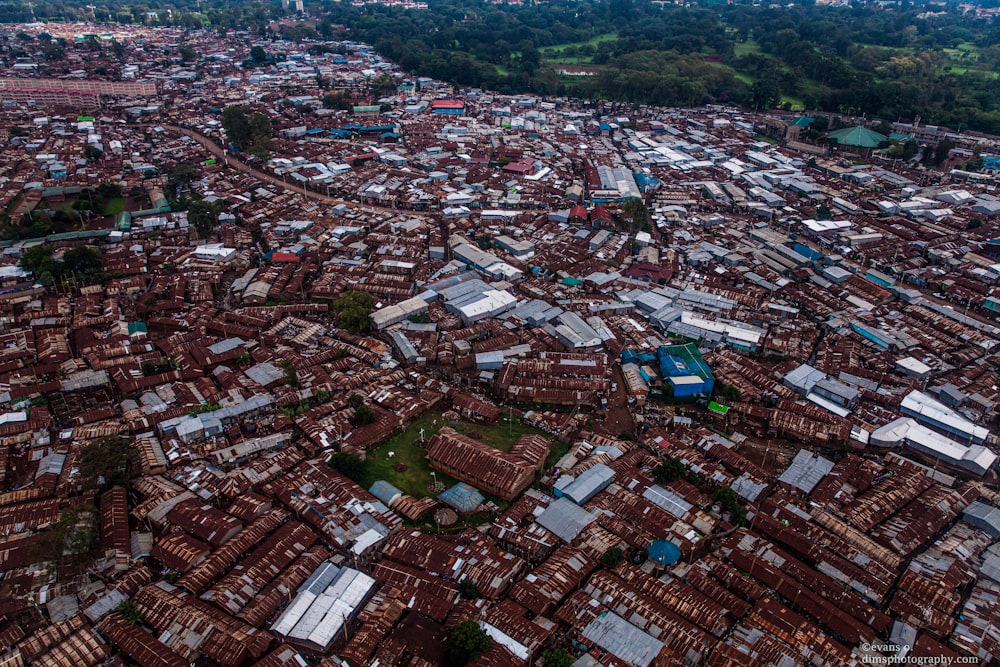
{"x":896,"y":62}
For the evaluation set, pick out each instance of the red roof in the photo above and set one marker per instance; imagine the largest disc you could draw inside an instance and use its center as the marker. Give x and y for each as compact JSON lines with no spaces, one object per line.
{"x":284,"y":257}
{"x":579,"y":212}
{"x":447,"y":104}
{"x":600,"y":213}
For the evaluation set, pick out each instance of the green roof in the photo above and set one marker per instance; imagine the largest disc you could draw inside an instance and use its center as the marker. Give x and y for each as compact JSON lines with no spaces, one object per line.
{"x":803,"y":121}
{"x":859,"y":136}
{"x":571,"y":282}
{"x":718,"y":407}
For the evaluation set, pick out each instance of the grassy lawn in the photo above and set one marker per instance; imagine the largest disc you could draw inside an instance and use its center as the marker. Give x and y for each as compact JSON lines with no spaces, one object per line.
{"x":746,"y":48}
{"x":593,"y":41}
{"x":761,"y":137}
{"x":501,"y":435}
{"x":797,"y":104}
{"x":114,"y":206}
{"x":416,"y":478}
{"x":740,"y":76}
{"x":501,"y":70}
{"x":406,"y":452}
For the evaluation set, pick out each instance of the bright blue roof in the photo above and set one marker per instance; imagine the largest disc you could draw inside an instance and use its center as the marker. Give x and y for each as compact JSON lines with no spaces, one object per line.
{"x":664,"y":552}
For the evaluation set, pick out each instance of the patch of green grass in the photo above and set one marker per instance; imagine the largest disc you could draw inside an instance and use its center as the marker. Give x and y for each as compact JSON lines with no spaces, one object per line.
{"x":406,"y":449}
{"x":556,"y":452}
{"x":593,"y":41}
{"x":114,"y":206}
{"x":746,"y":48}
{"x":797,"y":104}
{"x":501,"y":70}
{"x":761,"y":137}
{"x":501,"y":435}
{"x":745,"y":78}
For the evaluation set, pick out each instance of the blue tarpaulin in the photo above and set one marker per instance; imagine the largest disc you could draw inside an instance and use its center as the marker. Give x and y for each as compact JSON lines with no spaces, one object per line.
{"x":664,"y":552}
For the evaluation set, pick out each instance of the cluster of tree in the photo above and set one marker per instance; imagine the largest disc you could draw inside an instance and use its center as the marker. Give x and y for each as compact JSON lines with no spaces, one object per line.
{"x":889,"y":62}
{"x":107,"y":462}
{"x":350,"y":465}
{"x":729,"y":503}
{"x":203,"y":216}
{"x":306,"y":404}
{"x":81,"y":264}
{"x":247,"y":130}
{"x":353,"y":310}
{"x":72,"y":541}
{"x":466,"y":643}
{"x":40,"y":222}
{"x":363,"y":415}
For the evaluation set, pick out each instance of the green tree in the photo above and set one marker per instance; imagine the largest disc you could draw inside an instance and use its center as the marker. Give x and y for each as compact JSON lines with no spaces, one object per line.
{"x":353,"y":310}
{"x":363,"y":416}
{"x":181,"y":174}
{"x":36,"y":258}
{"x":942,"y":151}
{"x":466,"y":642}
{"x":557,"y":657}
{"x":337,"y":101}
{"x":351,"y":466}
{"x":72,"y":540}
{"x":92,"y":153}
{"x":236,"y":123}
{"x":130,"y":612}
{"x":258,"y":55}
{"x":467,"y":589}
{"x":83,"y":260}
{"x":731,"y":393}
{"x":669,"y":471}
{"x":729,"y":502}
{"x":291,"y":375}
{"x":382,"y":86}
{"x":188,"y":54}
{"x":612,"y":558}
{"x":203,"y":216}
{"x":107,"y":462}
{"x":635,"y":214}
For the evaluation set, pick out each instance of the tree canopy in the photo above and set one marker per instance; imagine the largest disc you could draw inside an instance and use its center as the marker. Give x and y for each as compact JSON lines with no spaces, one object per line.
{"x":352,"y":466}
{"x":107,"y":462}
{"x":353,"y":310}
{"x":466,"y":642}
{"x":204,"y":216}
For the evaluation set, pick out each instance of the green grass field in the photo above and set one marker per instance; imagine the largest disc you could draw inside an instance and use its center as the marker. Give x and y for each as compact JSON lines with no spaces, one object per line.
{"x":555,"y":55}
{"x":746,"y":48}
{"x":114,"y":206}
{"x":416,"y":479}
{"x":593,"y":41}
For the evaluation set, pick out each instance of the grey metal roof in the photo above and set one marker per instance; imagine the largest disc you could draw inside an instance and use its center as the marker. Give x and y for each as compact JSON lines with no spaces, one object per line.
{"x":806,"y":470}
{"x":589,"y":484}
{"x":565,"y":519}
{"x":804,"y":377}
{"x":984,"y":516}
{"x":264,"y":373}
{"x":616,"y":635}
{"x":225,"y":345}
{"x":668,"y":500}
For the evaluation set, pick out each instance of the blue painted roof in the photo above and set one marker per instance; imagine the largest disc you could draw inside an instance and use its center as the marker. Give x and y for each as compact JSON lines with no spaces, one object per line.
{"x":664,"y":552}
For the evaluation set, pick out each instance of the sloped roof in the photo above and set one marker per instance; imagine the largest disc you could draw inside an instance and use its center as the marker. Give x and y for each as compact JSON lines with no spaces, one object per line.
{"x":858,"y":136}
